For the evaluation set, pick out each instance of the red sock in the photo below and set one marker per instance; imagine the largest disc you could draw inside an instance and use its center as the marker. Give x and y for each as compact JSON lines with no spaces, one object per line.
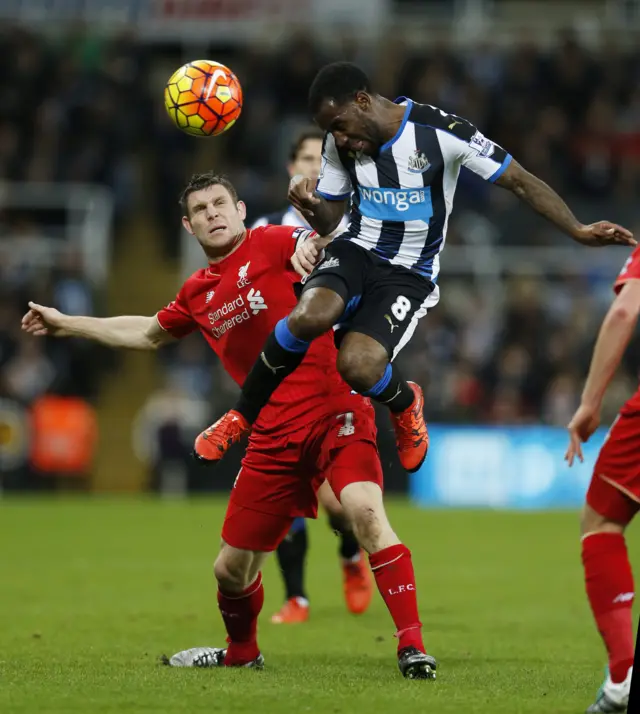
{"x":610,"y":591}
{"x":240,"y":615}
{"x":393,"y":571}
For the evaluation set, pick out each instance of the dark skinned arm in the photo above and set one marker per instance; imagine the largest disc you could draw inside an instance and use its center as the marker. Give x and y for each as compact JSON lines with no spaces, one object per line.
{"x":322,"y":215}
{"x":545,"y":201}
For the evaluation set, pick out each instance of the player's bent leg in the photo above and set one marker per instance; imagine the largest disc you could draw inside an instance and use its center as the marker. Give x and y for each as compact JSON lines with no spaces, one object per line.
{"x":610,"y":586}
{"x":356,"y":577}
{"x":363,"y":363}
{"x":248,"y":536}
{"x":291,"y":555}
{"x":240,"y":599}
{"x":356,"y":478}
{"x":285,"y":348}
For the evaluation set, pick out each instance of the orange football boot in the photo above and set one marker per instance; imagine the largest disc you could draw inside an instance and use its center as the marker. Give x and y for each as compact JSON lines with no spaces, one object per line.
{"x":292,"y":612}
{"x":358,"y":584}
{"x":412,"y":437}
{"x":213,"y":443}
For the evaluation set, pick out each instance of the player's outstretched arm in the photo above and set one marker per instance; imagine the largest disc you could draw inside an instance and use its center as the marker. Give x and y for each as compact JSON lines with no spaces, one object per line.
{"x":543,"y":199}
{"x":126,"y":331}
{"x":616,"y":331}
{"x":322,"y":215}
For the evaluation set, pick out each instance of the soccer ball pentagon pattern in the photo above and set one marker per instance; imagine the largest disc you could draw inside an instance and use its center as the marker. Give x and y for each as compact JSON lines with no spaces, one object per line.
{"x":203,"y":98}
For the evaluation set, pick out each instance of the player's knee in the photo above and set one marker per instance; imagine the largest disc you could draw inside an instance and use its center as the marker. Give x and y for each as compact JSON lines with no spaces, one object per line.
{"x":313,"y":316}
{"x":360,"y":369}
{"x":593,"y":522}
{"x":231,"y":573}
{"x":362,"y":504}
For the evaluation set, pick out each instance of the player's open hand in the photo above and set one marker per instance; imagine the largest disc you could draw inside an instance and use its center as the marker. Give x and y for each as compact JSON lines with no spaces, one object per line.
{"x":301,"y":195}
{"x":41,"y":321}
{"x":604,"y":233}
{"x":585,"y":421}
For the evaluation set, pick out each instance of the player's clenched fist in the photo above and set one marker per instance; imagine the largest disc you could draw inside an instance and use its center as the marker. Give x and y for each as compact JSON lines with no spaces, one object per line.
{"x":301,"y":195}
{"x":42,"y":321}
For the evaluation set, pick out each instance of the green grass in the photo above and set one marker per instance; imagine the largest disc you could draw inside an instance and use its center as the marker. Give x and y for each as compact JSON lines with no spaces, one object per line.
{"x":93,"y":591}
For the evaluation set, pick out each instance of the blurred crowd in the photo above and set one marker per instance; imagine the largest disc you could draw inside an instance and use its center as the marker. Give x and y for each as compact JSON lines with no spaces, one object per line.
{"x":83,"y":108}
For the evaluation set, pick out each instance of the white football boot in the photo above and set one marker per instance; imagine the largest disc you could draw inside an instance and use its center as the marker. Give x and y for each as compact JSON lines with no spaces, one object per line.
{"x":612,"y":697}
{"x":206,"y":657}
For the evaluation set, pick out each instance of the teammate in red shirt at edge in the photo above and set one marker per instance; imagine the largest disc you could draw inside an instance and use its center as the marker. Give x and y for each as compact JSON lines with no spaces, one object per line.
{"x":613,"y":498}
{"x":314,"y":428}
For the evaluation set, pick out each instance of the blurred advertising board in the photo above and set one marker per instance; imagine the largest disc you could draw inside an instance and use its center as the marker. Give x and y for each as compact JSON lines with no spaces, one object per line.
{"x":502,"y":467}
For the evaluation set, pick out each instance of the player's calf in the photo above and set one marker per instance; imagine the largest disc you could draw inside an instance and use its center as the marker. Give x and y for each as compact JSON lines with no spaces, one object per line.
{"x":361,"y":362}
{"x":240,"y":601}
{"x":393,"y":571}
{"x":364,"y":364}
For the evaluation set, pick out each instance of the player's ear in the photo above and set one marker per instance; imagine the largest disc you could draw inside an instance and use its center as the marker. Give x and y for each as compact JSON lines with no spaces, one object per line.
{"x":242,"y":209}
{"x":363,"y":101}
{"x":187,"y":224}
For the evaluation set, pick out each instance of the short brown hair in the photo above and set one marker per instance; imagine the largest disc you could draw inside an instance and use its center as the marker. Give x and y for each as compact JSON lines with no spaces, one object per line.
{"x":199,"y":181}
{"x":311,"y":133}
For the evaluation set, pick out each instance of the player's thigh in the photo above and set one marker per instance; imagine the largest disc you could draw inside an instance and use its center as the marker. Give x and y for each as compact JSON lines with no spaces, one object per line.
{"x":343,"y":271}
{"x":614,"y":491}
{"x":395,"y":300}
{"x":349,"y":451}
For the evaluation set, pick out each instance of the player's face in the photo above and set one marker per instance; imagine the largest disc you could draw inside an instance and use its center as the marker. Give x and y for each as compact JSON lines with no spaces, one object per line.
{"x":308,"y":161}
{"x":215,"y":219}
{"x":351,"y":124}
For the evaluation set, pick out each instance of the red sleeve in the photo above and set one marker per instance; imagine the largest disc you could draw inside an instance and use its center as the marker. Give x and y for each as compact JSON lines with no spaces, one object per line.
{"x":176,"y":317}
{"x":630,"y":270}
{"x":279,"y":242}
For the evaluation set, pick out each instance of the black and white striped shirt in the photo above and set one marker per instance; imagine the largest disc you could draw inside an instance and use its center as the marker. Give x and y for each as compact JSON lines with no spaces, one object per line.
{"x":402,"y":198}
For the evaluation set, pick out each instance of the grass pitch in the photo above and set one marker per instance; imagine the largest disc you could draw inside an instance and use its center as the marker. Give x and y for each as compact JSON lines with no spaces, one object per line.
{"x":92,"y":591}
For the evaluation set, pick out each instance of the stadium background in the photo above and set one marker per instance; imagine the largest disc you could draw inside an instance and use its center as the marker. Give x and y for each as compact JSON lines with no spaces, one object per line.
{"x":91,"y":167}
{"x":93,"y":589}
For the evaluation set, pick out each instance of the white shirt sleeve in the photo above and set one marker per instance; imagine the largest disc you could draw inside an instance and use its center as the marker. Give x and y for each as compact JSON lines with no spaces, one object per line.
{"x":462,"y":142}
{"x":334,"y":182}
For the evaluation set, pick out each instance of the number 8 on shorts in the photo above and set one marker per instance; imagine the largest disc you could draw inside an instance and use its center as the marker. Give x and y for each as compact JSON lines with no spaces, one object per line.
{"x":400,"y":308}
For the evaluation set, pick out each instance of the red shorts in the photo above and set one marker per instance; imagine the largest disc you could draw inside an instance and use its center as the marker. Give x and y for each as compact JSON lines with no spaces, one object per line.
{"x":614,"y":491}
{"x":281,"y":473}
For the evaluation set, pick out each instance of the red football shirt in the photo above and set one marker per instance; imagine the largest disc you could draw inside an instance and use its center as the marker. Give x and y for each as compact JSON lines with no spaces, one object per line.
{"x":237,"y":302}
{"x":630,"y":271}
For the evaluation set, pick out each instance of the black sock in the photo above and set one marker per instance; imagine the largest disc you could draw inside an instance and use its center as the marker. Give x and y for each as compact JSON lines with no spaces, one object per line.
{"x":292,"y":553}
{"x":349,"y":546}
{"x":280,"y":356}
{"x":392,"y":390}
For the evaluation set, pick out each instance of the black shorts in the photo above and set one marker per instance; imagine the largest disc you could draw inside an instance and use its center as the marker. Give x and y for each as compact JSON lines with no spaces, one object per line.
{"x":383,"y":301}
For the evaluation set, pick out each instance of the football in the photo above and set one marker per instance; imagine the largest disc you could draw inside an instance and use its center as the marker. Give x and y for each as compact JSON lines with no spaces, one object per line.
{"x":203,"y":98}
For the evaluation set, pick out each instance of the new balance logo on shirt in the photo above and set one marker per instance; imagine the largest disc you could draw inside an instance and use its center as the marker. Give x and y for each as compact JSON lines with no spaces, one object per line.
{"x":402,"y":198}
